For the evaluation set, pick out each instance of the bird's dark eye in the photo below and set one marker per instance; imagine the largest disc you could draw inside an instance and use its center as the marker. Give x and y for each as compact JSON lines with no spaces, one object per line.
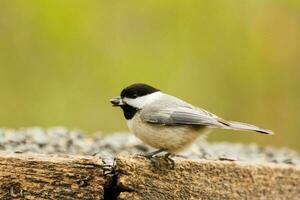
{"x":135,"y":95}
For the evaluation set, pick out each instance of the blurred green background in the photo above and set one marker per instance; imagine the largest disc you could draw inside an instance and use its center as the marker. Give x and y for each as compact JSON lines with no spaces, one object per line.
{"x":61,"y":61}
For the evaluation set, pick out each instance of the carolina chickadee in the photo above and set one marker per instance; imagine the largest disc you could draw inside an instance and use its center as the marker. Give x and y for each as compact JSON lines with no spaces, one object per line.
{"x":166,"y":122}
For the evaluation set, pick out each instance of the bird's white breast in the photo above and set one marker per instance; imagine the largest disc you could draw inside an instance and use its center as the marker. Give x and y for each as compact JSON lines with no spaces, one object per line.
{"x":129,"y":124}
{"x":171,"y":138}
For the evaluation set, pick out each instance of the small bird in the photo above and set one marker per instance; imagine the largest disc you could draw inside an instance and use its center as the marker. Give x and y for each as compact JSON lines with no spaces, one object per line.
{"x":168,"y":123}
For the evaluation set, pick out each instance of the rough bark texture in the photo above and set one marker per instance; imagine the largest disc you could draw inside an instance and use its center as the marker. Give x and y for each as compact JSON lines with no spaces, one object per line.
{"x":36,"y":176}
{"x":138,"y":179}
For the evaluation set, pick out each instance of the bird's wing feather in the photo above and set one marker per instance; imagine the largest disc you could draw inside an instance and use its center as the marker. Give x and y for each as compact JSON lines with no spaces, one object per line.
{"x":180,"y":116}
{"x":173,"y":111}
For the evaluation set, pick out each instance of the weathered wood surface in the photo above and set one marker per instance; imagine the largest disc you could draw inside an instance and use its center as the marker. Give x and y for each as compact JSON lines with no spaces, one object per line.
{"x":36,"y":176}
{"x":138,"y":179}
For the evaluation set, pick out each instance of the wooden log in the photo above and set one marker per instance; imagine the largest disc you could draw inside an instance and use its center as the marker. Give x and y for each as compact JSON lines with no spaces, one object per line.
{"x":204,"y":179}
{"x":35,"y":176}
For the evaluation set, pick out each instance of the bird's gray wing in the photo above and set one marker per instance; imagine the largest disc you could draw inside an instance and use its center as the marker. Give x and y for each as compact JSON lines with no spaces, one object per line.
{"x":181,"y":116}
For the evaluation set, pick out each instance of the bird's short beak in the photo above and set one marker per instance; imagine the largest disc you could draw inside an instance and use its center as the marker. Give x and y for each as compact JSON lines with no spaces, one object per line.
{"x":117,"y":101}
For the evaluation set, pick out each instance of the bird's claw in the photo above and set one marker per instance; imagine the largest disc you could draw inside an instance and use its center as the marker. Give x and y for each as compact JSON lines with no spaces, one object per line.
{"x":158,"y":161}
{"x":169,"y":160}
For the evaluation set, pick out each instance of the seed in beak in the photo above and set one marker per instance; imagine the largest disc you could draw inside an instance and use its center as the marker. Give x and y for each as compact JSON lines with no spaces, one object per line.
{"x":117,"y":101}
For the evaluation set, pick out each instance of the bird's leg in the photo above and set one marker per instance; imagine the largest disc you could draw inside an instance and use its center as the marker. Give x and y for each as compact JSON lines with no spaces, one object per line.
{"x":152,"y":158}
{"x":170,"y":160}
{"x":153,"y":153}
{"x":155,"y":160}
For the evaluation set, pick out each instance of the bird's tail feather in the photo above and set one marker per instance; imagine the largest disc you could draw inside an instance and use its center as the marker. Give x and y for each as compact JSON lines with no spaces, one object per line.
{"x":247,"y":127}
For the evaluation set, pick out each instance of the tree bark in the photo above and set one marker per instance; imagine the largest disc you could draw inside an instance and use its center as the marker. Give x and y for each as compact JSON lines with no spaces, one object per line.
{"x":36,"y":176}
{"x":139,"y":179}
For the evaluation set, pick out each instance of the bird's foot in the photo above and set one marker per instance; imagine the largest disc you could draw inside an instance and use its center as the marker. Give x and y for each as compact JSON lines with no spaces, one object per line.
{"x":160,"y":161}
{"x":169,"y":160}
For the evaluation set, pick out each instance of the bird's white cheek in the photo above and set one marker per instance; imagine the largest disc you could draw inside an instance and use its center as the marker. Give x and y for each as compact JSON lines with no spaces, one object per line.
{"x":140,"y":102}
{"x":129,"y":124}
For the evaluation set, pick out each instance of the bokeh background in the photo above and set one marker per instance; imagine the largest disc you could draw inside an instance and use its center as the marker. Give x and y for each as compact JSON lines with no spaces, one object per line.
{"x":61,"y":61}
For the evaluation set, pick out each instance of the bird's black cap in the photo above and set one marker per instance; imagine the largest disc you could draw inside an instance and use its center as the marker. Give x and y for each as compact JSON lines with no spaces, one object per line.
{"x":137,"y":90}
